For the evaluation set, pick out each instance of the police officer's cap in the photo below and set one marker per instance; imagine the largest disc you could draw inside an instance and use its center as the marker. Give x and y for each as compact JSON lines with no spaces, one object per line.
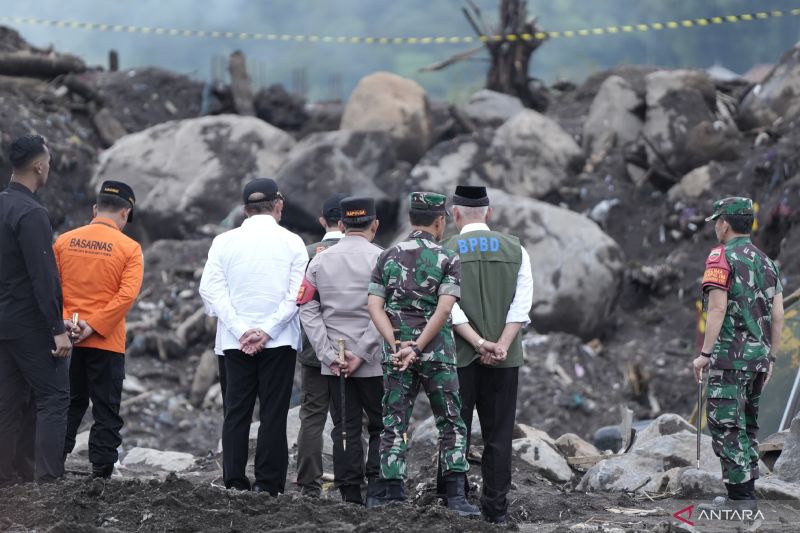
{"x":331,"y":209}
{"x":358,"y":210}
{"x":120,"y":190}
{"x":471,"y":196}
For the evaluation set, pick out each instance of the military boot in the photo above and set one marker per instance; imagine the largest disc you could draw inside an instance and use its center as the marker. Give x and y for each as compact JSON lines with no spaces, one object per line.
{"x":382,"y":492}
{"x":740,"y":504}
{"x":103,"y":471}
{"x":456,"y":500}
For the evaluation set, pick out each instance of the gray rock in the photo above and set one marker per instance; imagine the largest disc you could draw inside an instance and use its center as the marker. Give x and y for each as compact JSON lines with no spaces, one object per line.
{"x":539,"y":450}
{"x":694,"y":184}
{"x":770,"y":488}
{"x":787,"y":467}
{"x":679,"y":450}
{"x":625,"y":473}
{"x":387,"y":102}
{"x":204,"y":376}
{"x":666,"y":424}
{"x":157,"y":459}
{"x":703,"y":482}
{"x":571,"y":445}
{"x":776,"y":97}
{"x":186,"y":173}
{"x":540,"y":154}
{"x":680,"y":124}
{"x":577,"y":268}
{"x":613,"y":117}
{"x":426,"y":433}
{"x":465,"y":159}
{"x":339,"y":161}
{"x":491,"y":109}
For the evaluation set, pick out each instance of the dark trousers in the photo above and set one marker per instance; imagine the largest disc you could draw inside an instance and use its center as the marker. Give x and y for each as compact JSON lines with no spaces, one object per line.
{"x":267,"y":375}
{"x":97,"y":375}
{"x":493,"y":391}
{"x":313,"y":414}
{"x":27,"y":365}
{"x":223,"y":379}
{"x":363,"y":396}
{"x":24,"y":463}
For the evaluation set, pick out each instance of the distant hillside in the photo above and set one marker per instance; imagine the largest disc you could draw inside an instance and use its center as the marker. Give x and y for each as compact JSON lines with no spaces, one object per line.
{"x":333,"y":70}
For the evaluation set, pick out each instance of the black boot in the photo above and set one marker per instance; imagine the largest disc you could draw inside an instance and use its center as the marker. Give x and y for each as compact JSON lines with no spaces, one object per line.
{"x":351,"y":494}
{"x":102,"y":471}
{"x":751,"y":489}
{"x":385,"y":491}
{"x":738,"y":505}
{"x":456,"y":501}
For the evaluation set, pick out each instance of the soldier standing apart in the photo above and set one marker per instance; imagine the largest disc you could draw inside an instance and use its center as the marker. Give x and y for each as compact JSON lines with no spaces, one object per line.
{"x":496,"y":298}
{"x":413,"y":289}
{"x":34,"y":343}
{"x":250,"y":283}
{"x":743,"y":332}
{"x":313,"y":384}
{"x":101,"y":274}
{"x":333,"y":306}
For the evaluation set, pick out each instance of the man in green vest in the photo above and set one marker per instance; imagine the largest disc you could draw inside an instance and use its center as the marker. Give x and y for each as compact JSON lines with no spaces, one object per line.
{"x":313,"y":385}
{"x":496,"y":299}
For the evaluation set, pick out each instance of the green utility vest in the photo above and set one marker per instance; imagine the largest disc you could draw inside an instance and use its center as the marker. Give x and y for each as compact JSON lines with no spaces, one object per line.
{"x":490,"y":263}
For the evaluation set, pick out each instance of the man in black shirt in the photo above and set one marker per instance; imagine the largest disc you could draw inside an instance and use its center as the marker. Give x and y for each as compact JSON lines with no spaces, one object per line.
{"x":34,"y":343}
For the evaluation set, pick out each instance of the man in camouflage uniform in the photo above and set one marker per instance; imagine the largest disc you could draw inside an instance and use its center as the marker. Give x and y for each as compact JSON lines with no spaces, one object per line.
{"x":412,"y":292}
{"x":743,"y":331}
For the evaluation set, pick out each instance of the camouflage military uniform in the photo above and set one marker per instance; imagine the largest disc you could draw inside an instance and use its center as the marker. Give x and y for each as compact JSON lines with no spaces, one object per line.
{"x":740,"y":358}
{"x":411,"y":276}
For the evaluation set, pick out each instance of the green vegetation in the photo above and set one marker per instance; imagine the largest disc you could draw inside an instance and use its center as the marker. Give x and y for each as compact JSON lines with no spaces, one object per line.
{"x":736,"y":46}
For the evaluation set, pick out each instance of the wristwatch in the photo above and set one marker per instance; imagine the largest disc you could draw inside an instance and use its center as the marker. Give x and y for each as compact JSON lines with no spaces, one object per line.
{"x":704,"y":354}
{"x":417,"y":351}
{"x":480,"y":343}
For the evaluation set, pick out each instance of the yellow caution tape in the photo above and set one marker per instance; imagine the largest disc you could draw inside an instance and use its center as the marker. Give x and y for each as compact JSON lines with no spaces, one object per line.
{"x":245,"y":36}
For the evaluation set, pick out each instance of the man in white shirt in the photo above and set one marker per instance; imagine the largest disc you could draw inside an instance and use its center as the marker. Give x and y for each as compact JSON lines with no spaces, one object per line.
{"x":250,"y":283}
{"x":496,"y":299}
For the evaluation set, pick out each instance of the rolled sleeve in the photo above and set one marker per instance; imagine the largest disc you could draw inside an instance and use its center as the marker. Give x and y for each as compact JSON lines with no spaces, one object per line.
{"x":376,"y":289}
{"x":451,"y":280}
{"x":449,"y":290}
{"x":458,"y":316}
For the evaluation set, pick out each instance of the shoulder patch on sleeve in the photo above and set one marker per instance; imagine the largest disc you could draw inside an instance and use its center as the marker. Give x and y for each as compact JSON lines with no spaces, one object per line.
{"x":717,"y":274}
{"x":306,"y":293}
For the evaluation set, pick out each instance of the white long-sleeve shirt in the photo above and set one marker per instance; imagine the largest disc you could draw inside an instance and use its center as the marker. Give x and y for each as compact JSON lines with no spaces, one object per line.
{"x":523,"y":297}
{"x":251,"y":280}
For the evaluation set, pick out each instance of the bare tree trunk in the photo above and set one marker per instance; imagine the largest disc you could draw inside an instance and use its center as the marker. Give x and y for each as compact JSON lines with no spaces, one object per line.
{"x":510,"y":56}
{"x":39,"y":66}
{"x":240,"y":85}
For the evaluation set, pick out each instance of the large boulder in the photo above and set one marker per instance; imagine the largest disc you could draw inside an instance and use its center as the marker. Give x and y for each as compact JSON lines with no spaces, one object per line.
{"x":540,"y":451}
{"x":187,"y":173}
{"x":777,"y":97}
{"x":614,"y":118}
{"x":464,"y":159}
{"x":490,"y":108}
{"x":540,"y":153}
{"x":358,"y":162}
{"x":387,"y":102}
{"x":680,"y":128}
{"x":787,"y":467}
{"x":577,"y":268}
{"x":167,"y":461}
{"x":694,"y":184}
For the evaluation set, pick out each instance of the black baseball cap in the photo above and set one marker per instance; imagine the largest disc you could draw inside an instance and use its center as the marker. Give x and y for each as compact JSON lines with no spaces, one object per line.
{"x":358,"y":210}
{"x":331,"y":209}
{"x":120,"y":190}
{"x":265,"y":189}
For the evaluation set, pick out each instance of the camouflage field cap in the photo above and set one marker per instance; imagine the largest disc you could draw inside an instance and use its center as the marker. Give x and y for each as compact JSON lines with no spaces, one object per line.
{"x":428,"y":202}
{"x":735,"y":205}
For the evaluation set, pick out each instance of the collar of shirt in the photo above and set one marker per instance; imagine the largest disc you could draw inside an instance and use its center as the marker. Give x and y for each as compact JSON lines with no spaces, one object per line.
{"x":336,"y":234}
{"x":476,"y":226}
{"x":105,"y":222}
{"x":738,"y":240}
{"x":255,"y":220}
{"x":419,"y":234}
{"x":14,"y":185}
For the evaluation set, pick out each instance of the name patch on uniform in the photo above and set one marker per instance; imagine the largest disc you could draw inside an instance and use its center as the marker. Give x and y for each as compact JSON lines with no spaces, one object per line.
{"x":88,"y":244}
{"x":480,"y":244}
{"x":355,"y":213}
{"x":716,"y":276}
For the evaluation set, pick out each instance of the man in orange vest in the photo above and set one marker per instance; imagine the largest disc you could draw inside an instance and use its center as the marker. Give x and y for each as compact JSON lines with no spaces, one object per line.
{"x":101,"y":274}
